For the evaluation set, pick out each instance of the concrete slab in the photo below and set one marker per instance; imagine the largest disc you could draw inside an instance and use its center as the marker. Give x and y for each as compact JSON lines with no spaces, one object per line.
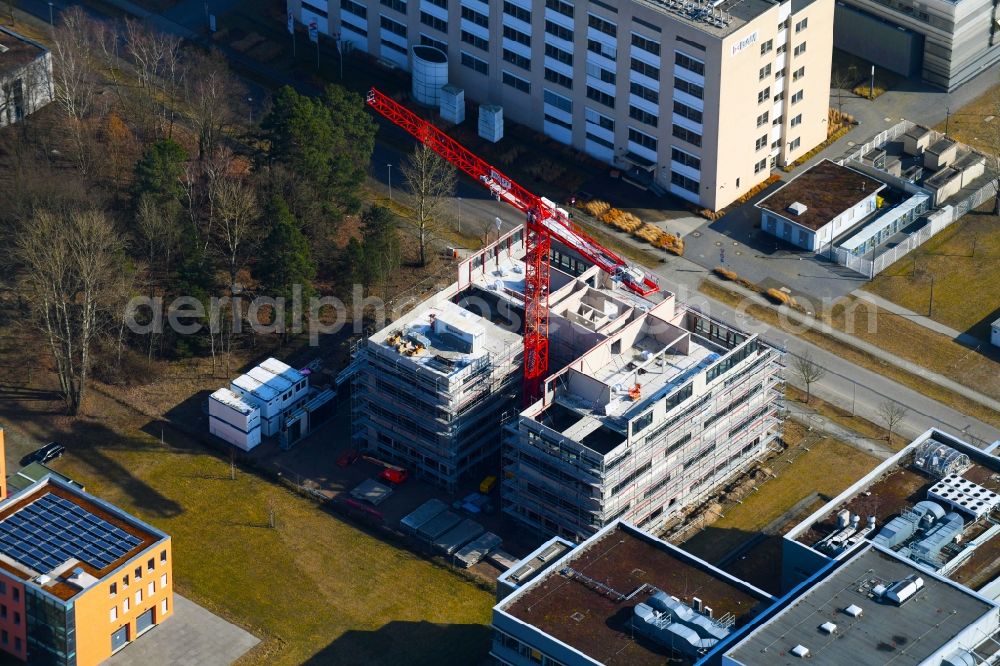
{"x":192,"y":636}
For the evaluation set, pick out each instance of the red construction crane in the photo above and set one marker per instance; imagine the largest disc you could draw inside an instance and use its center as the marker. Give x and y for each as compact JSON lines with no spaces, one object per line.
{"x":545,"y":221}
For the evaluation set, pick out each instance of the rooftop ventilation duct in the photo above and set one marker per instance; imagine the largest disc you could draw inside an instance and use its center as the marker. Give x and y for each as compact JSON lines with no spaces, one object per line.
{"x":800,"y":651}
{"x":902,"y":591}
{"x":797,"y":208}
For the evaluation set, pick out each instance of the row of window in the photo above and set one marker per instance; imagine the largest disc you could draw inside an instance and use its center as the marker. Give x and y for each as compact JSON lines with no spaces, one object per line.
{"x":137,"y":574}
{"x":126,"y":601}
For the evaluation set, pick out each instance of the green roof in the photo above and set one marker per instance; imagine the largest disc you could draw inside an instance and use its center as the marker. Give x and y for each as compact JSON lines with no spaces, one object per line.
{"x":28,"y":475}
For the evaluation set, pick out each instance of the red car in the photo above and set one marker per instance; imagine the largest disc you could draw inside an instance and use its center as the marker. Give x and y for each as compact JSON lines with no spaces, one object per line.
{"x":393,"y":475}
{"x":347,"y":458}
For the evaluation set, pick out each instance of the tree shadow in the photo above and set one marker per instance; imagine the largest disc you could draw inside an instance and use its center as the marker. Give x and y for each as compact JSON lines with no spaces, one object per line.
{"x":85,"y":442}
{"x":411,"y":643}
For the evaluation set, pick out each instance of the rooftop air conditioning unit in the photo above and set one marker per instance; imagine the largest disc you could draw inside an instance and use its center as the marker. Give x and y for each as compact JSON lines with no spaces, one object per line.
{"x":800,"y":651}
{"x":797,"y":208}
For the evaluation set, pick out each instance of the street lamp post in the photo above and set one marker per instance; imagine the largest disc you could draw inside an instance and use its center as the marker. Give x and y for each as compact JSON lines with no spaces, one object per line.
{"x":52,"y":21}
{"x":250,"y":106}
{"x":390,"y":181}
{"x":930,"y":306}
{"x":459,"y":214}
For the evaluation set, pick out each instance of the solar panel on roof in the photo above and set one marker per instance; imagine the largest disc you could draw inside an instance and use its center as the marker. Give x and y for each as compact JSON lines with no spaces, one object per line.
{"x":52,"y":530}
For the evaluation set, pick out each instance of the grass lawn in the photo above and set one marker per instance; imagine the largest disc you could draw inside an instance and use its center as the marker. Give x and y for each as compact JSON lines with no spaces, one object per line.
{"x":969,"y":124}
{"x":862,"y":426}
{"x":856,"y":356}
{"x":315,"y":589}
{"x":966,"y":291}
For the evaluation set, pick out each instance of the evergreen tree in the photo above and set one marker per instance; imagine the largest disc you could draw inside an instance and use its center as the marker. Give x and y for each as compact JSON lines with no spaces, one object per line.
{"x":286,"y":259}
{"x":159,"y":171}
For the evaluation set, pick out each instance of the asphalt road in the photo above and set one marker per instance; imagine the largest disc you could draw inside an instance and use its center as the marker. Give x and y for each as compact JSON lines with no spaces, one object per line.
{"x":843,"y":380}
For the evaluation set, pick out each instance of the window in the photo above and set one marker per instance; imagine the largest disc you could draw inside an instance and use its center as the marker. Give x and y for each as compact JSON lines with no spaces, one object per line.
{"x":558,"y":54}
{"x":643,"y":140}
{"x":163,"y":607}
{"x":4,"y":637}
{"x":138,"y":597}
{"x":16,"y":593}
{"x":765,"y":72}
{"x":517,"y":59}
{"x":125,"y":582}
{"x":780,"y":96}
{"x":3,"y":587}
{"x":685,"y":111}
{"x":760,"y":166}
{"x":150,"y":564}
{"x":601,"y":141}
{"x":796,"y":120}
{"x":686,"y":159}
{"x":684,"y":182}
{"x":605,"y":75}
{"x":516,"y":35}
{"x":138,"y":573}
{"x":17,"y":644}
{"x":113,"y":590}
{"x":520,"y":13}
{"x":775,"y":144}
{"x":474,"y":63}
{"x":797,"y":97}
{"x":760,"y":143}
{"x":392,"y":26}
{"x":794,"y":143}
{"x":558,"y":101}
{"x":692,"y":89}
{"x":439,"y":3}
{"x":799,"y":50}
{"x":515,"y":82}
{"x":434,"y":22}
{"x":482,"y":20}
{"x":766,"y":47}
{"x":559,"y":78}
{"x":475,"y":40}
{"x":762,"y":119}
{"x":777,"y":121}
{"x":645,"y":69}
{"x":398,"y":5}
{"x":113,"y":614}
{"x":163,"y":557}
{"x":163,"y":581}
{"x":564,"y":8}
{"x":125,"y":605}
{"x":782,"y":49}
{"x":600,"y":96}
{"x":436,"y":43}
{"x":642,"y":116}
{"x":602,"y":25}
{"x":642,"y":91}
{"x":3,"y":610}
{"x":559,"y":31}
{"x":645,"y":44}
{"x":314,"y":9}
{"x":594,"y":118}
{"x":799,"y":73}
{"x":802,"y":25}
{"x":684,"y":134}
{"x":780,"y":74}
{"x":763,"y":95}
{"x":602,"y":49}
{"x":17,"y":617}
{"x":687,"y":62}
{"x":690,"y":43}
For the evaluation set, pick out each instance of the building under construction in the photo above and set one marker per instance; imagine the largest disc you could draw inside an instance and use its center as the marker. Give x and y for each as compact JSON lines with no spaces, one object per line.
{"x":649,"y":405}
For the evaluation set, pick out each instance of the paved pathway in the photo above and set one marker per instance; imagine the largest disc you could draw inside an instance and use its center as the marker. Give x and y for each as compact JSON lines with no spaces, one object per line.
{"x":192,"y":637}
{"x":923,"y":320}
{"x":815,"y":421}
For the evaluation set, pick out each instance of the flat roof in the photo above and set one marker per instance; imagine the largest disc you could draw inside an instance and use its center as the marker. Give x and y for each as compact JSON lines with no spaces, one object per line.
{"x":16,"y":51}
{"x":52,"y":528}
{"x":728,"y":17}
{"x":827,"y":189}
{"x":634,"y":565}
{"x":883,"y":633}
{"x":231,"y":399}
{"x":897,"y":485}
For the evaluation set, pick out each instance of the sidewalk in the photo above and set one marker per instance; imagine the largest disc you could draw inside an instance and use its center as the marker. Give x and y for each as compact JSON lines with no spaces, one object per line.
{"x":923,"y":320}
{"x":804,"y":320}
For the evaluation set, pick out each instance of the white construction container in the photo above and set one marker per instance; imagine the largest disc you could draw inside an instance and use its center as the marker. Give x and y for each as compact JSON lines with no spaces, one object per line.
{"x":274,"y":388}
{"x":491,"y":122}
{"x":234,"y":419}
{"x":452,"y":105}
{"x":430,"y":73}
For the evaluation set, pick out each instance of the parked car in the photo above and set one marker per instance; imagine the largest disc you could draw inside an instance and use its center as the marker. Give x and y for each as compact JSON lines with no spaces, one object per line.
{"x":394,"y":475}
{"x":47,"y":453}
{"x":348,"y":457}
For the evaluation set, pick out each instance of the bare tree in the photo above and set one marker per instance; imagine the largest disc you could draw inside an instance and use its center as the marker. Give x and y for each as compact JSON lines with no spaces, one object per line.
{"x":212,"y":97}
{"x":237,"y":231}
{"x":892,"y":413}
{"x":431,"y":180}
{"x":76,"y":80}
{"x":808,"y":371}
{"x":159,"y":231}
{"x":72,"y":272}
{"x":156,"y":59}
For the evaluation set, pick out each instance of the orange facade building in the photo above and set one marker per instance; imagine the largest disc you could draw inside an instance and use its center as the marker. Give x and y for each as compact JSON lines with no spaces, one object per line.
{"x":79,"y":578}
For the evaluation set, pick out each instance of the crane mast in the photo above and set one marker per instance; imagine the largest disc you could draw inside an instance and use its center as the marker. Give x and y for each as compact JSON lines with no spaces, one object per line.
{"x":544,"y":221}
